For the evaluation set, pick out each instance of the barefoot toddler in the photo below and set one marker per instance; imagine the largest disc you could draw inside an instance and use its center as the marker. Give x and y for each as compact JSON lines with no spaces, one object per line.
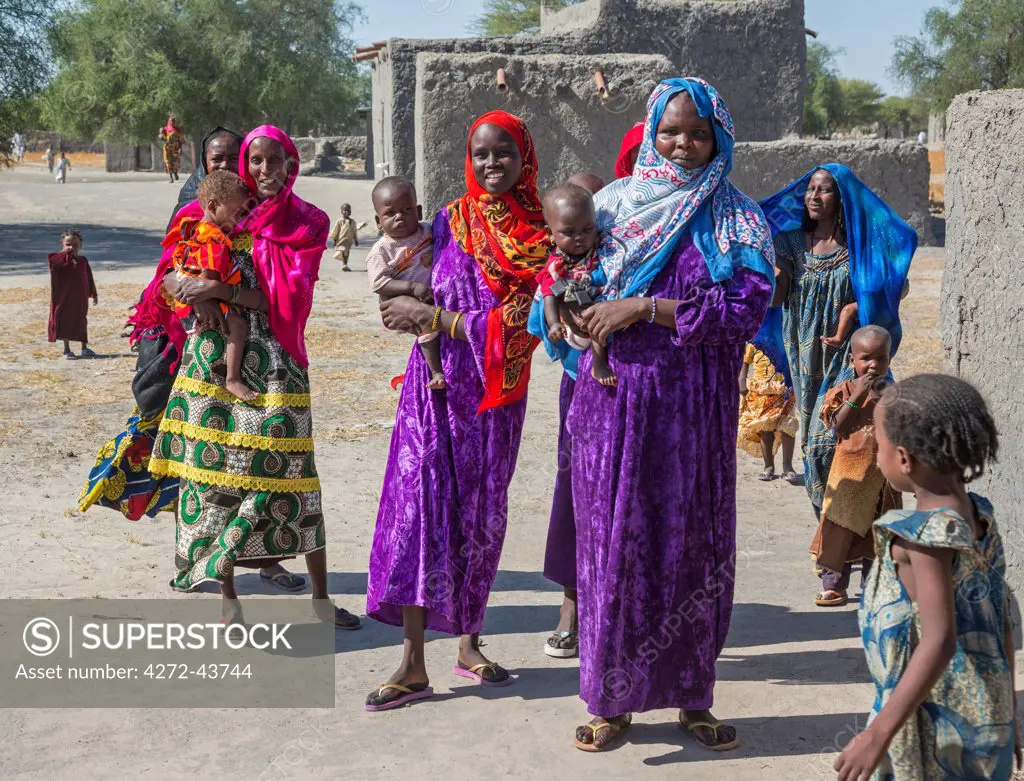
{"x":202,"y":248}
{"x":401,"y":261}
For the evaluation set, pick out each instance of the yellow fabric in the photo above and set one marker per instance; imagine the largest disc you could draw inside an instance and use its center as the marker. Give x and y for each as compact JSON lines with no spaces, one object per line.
{"x":290,"y":445}
{"x":159,"y":467}
{"x":192,"y":385}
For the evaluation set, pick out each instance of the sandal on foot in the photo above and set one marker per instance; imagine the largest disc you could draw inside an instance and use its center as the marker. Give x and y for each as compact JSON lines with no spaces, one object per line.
{"x":831,"y":598}
{"x":767,"y":475}
{"x":475,"y":673}
{"x":690,"y":726}
{"x":87,"y":353}
{"x":793,"y":478}
{"x":407,"y":694}
{"x":617,"y":725}
{"x":342,"y":619}
{"x":70,"y":356}
{"x":285,"y":580}
{"x":563,"y":645}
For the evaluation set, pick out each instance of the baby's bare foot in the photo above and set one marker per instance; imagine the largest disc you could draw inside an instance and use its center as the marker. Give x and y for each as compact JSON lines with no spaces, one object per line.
{"x":241,"y":390}
{"x":604,"y":375}
{"x":437,"y":382}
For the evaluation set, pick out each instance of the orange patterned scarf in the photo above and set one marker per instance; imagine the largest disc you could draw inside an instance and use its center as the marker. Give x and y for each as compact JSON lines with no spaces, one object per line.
{"x":507,"y":237}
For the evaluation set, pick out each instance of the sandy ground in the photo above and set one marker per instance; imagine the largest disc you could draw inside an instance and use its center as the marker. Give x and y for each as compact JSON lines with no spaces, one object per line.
{"x":792,"y":678}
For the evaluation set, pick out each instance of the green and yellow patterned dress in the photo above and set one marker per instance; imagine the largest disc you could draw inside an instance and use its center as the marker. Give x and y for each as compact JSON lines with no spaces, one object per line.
{"x":249,"y":486}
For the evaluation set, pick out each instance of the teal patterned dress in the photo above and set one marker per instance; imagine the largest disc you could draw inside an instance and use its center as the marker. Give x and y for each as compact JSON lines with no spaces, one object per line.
{"x":820,"y":287}
{"x":964,"y":728}
{"x":249,"y":485}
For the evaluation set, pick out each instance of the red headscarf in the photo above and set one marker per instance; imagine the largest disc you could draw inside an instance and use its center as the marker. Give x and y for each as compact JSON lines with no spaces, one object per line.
{"x":506,"y":235}
{"x":289,"y":237}
{"x":628,"y":151}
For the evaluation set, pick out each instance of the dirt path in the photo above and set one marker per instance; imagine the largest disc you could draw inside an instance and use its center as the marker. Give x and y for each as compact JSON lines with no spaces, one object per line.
{"x":792,"y":679}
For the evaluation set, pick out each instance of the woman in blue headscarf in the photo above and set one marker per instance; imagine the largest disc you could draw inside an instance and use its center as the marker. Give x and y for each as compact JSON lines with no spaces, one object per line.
{"x":843,"y":257}
{"x":689,"y":266}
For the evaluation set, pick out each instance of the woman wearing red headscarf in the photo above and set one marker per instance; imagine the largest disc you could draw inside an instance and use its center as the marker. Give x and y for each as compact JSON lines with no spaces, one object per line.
{"x":249,"y":486}
{"x":172,"y":137}
{"x":444,"y":503}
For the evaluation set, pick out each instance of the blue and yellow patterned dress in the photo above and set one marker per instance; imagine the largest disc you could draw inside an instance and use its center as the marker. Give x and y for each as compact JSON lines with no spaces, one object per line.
{"x":964,"y":728}
{"x":249,"y":485}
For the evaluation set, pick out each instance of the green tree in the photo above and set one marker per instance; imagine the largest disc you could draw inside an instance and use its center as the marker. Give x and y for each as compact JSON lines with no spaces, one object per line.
{"x":508,"y":17}
{"x":24,"y":65}
{"x":124,"y":65}
{"x":909,"y":115}
{"x":860,"y":103}
{"x":823,"y":93}
{"x":975,"y":44}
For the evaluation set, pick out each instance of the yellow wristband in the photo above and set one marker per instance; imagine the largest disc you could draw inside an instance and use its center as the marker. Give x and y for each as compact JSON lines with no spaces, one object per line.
{"x":437,"y":319}
{"x":455,"y":322}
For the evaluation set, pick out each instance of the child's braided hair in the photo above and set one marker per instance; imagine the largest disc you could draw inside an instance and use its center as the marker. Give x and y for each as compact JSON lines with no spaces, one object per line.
{"x":942,"y":421}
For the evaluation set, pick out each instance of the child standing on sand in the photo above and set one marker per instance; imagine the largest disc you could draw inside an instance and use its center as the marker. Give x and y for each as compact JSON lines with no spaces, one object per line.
{"x":766,"y":415}
{"x":63,"y":164}
{"x":401,"y":262}
{"x":935,"y":618}
{"x":71,"y":287}
{"x":202,"y":248}
{"x":856,"y":492}
{"x":344,"y":236}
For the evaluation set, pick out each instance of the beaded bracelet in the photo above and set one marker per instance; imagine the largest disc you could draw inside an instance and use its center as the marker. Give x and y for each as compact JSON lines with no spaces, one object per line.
{"x":437,"y":319}
{"x":654,"y":309}
{"x":236,"y":292}
{"x":455,"y":322}
{"x":851,"y":405}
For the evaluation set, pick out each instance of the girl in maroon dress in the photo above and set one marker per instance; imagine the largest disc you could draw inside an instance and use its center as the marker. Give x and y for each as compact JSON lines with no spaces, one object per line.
{"x":71,"y":287}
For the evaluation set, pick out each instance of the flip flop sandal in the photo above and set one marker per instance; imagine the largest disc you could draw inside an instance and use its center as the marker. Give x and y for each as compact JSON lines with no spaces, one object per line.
{"x":410,"y":693}
{"x":713,"y":726}
{"x":352,"y":624}
{"x":823,"y":600}
{"x":473,"y":673}
{"x":70,"y":357}
{"x":87,"y":353}
{"x":767,"y":476}
{"x":593,"y":747}
{"x":792,"y":478}
{"x":563,"y":645}
{"x":287,"y":581}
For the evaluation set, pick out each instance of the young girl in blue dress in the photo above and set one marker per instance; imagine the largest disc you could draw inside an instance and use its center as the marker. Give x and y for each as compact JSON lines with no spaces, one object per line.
{"x":935,"y":613}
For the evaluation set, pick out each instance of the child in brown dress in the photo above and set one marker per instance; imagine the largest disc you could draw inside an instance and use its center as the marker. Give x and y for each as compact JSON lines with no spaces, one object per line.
{"x":857,"y":492}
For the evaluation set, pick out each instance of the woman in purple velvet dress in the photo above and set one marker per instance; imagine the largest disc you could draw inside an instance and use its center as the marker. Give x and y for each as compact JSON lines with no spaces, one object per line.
{"x":444,"y":503}
{"x":689,"y":262}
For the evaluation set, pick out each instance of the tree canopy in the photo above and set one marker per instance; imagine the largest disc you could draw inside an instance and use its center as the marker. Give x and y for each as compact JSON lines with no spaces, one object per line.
{"x":124,"y":65}
{"x":25,"y":64}
{"x":508,"y":17}
{"x":974,"y":44}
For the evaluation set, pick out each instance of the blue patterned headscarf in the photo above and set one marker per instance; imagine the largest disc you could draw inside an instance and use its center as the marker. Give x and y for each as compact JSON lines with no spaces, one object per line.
{"x":642,"y":217}
{"x":880,"y":244}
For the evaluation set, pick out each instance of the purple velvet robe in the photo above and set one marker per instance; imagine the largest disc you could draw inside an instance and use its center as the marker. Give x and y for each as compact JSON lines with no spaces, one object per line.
{"x":444,"y":504}
{"x":560,"y":554}
{"x":654,"y":492}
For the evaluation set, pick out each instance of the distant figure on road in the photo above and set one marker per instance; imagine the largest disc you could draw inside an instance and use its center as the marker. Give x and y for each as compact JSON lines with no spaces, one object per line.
{"x":172,"y":137}
{"x":62,"y":169}
{"x":50,"y":156}
{"x":344,"y":235}
{"x":71,"y":287}
{"x":922,"y":138}
{"x":18,"y":146}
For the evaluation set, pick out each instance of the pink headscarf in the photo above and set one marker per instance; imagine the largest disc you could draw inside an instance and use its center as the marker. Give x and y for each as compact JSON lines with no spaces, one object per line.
{"x":289,"y":237}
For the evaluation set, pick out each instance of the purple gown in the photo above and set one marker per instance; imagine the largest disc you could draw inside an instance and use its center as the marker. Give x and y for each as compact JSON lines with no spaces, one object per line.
{"x":444,"y":504}
{"x":560,"y":554}
{"x":654,"y":490}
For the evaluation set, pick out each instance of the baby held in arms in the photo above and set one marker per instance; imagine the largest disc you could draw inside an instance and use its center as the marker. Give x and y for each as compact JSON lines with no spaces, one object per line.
{"x":566,"y":283}
{"x":400,"y":263}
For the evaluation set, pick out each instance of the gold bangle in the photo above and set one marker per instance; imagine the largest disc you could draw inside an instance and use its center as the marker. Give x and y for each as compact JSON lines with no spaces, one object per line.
{"x":455,"y":322}
{"x":437,"y":319}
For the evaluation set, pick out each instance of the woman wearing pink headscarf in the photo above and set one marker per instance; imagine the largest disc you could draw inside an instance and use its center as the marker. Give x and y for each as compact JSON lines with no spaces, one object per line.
{"x":249,"y":486}
{"x":173,"y":138}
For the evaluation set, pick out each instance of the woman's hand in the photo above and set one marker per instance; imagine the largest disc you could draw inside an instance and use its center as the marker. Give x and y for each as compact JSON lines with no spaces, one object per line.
{"x":405,"y":313}
{"x":208,"y":316}
{"x":604,"y":319}
{"x":193,"y":290}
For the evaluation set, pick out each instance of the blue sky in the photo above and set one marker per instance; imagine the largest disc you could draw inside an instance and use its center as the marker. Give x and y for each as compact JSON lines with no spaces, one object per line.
{"x":864,"y":28}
